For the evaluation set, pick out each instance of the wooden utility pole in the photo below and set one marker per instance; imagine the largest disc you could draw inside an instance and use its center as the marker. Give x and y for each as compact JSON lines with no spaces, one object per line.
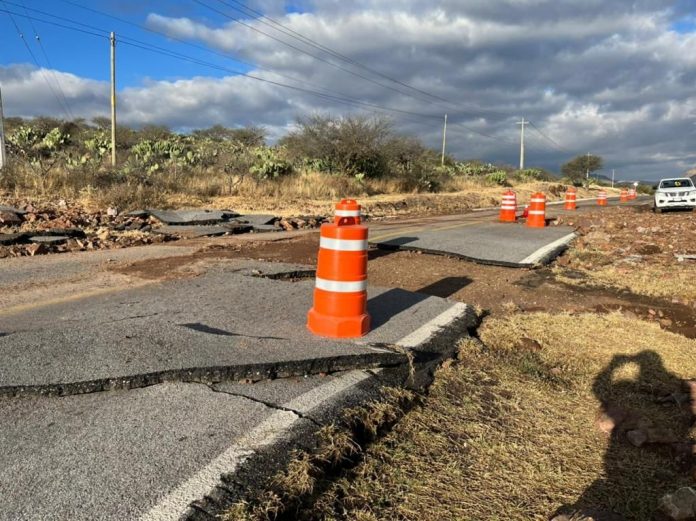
{"x":522,"y":125}
{"x":113,"y":99}
{"x":3,"y":158}
{"x":613,"y":174}
{"x":444,"y":141}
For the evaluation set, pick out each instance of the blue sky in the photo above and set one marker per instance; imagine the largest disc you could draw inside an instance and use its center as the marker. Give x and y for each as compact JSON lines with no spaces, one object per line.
{"x":615,"y":78}
{"x":88,"y":56}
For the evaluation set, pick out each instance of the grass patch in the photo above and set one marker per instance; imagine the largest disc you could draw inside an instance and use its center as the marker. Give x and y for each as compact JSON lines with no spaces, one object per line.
{"x":510,"y":430}
{"x":660,"y":281}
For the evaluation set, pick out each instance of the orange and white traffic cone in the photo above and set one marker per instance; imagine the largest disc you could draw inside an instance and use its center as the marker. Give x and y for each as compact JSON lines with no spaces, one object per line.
{"x":623,"y":196}
{"x":347,"y":212}
{"x":602,"y":198}
{"x":508,"y":209}
{"x":571,"y":197}
{"x":537,"y":211}
{"x":340,"y":292}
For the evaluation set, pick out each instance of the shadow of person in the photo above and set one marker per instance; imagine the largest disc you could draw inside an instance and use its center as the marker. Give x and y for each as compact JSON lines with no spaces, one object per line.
{"x":646,"y":414}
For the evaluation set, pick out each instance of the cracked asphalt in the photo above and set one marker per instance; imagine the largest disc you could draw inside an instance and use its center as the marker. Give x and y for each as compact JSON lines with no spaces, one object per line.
{"x":130,"y":403}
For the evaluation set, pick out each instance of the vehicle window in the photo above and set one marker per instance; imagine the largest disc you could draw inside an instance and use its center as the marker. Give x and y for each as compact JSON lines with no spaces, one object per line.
{"x":677,"y":183}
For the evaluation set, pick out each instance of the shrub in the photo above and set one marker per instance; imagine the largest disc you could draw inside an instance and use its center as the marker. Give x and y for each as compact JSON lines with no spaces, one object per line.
{"x":499,"y":177}
{"x":269,"y":164}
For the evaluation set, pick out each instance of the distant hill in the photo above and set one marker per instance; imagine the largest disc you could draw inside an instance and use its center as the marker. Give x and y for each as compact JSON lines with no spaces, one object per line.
{"x":692,"y":173}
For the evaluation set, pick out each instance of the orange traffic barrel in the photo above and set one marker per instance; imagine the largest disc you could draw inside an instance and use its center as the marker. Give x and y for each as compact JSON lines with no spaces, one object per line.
{"x":623,"y":196}
{"x":571,"y":197}
{"x":537,"y":211}
{"x":348,"y":211}
{"x":340,"y":292}
{"x":602,"y":198}
{"x":508,"y":209}
{"x":632,"y":194}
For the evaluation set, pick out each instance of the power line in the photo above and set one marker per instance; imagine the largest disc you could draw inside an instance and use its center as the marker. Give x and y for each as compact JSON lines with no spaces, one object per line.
{"x":313,"y":43}
{"x":50,"y":65}
{"x":178,"y":40}
{"x":36,"y":62}
{"x":290,"y":45}
{"x":542,"y":134}
{"x":90,"y":30}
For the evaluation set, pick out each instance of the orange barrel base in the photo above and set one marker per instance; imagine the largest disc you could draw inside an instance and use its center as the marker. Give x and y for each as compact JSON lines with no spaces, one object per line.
{"x":623,"y":198}
{"x":602,"y":199}
{"x":330,"y":317}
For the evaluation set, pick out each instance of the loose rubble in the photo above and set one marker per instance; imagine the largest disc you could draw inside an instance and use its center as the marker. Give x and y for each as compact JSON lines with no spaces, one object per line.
{"x":27,"y":229}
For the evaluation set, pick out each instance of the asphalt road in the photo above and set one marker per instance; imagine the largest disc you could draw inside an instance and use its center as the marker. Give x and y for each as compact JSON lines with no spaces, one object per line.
{"x":121,"y":397}
{"x":128,"y":404}
{"x":477,"y":236}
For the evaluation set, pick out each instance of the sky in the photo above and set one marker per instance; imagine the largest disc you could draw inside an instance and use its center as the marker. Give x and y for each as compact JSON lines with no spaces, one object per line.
{"x":613,"y":78}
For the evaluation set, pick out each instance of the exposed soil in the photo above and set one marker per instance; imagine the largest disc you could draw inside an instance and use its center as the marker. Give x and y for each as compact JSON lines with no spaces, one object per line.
{"x":494,"y":289}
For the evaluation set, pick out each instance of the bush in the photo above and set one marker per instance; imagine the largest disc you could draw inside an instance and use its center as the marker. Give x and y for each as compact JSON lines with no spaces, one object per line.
{"x":498,"y":177}
{"x":269,"y":164}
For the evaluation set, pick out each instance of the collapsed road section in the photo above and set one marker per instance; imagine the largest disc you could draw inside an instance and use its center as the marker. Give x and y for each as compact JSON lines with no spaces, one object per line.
{"x":133,"y":403}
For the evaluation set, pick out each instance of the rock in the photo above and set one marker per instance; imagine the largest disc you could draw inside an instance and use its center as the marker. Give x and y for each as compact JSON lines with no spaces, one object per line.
{"x":666,"y":322}
{"x":104,"y":235}
{"x":37,"y":249}
{"x":112,"y":212}
{"x":679,"y":506}
{"x":9,"y":218}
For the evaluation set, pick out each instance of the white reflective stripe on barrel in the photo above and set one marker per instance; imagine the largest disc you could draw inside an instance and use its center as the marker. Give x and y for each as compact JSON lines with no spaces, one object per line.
{"x":538,"y":200}
{"x":342,"y":244}
{"x":347,"y":213}
{"x":536,"y":212}
{"x":508,"y":207}
{"x":341,"y":287}
{"x":513,"y":197}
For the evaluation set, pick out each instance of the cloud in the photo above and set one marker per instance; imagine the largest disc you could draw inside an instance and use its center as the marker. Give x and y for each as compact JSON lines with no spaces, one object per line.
{"x":611,"y":78}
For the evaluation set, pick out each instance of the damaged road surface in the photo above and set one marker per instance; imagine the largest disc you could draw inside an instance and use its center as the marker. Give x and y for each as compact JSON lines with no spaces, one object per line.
{"x":132,"y":404}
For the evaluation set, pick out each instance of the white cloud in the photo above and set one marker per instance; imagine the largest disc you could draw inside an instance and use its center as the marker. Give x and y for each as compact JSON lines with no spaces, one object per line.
{"x":607,"y":77}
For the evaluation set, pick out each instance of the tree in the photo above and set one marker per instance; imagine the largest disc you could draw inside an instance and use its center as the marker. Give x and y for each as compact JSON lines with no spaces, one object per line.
{"x":352,"y":145}
{"x":577,"y":168}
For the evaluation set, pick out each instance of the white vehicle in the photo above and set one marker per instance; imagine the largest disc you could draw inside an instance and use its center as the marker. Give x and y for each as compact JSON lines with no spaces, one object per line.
{"x":678,"y":193}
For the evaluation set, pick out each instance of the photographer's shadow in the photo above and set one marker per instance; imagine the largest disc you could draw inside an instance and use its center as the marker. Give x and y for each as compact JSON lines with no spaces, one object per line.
{"x":646,"y":413}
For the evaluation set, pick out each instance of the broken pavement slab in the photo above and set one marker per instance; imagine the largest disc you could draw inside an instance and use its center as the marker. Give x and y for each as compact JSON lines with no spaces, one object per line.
{"x":191,"y":231}
{"x":192,"y":217}
{"x":146,"y":453}
{"x":145,"y":449}
{"x":49,"y":239}
{"x":223,"y":325}
{"x":513,"y":245}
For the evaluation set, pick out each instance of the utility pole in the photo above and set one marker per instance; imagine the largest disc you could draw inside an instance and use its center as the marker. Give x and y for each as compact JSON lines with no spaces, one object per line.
{"x":587,"y":167}
{"x":522,"y":124}
{"x":3,"y":158}
{"x":613,"y":173}
{"x":112,"y":39}
{"x":444,"y":141}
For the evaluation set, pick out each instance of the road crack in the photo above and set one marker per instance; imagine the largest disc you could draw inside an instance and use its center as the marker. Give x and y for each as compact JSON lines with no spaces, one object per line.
{"x":268,"y":404}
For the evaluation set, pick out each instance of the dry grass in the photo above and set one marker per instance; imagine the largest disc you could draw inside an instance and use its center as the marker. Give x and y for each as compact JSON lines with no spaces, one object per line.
{"x":508,"y":433}
{"x":313,"y":193}
{"x":672,"y":282}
